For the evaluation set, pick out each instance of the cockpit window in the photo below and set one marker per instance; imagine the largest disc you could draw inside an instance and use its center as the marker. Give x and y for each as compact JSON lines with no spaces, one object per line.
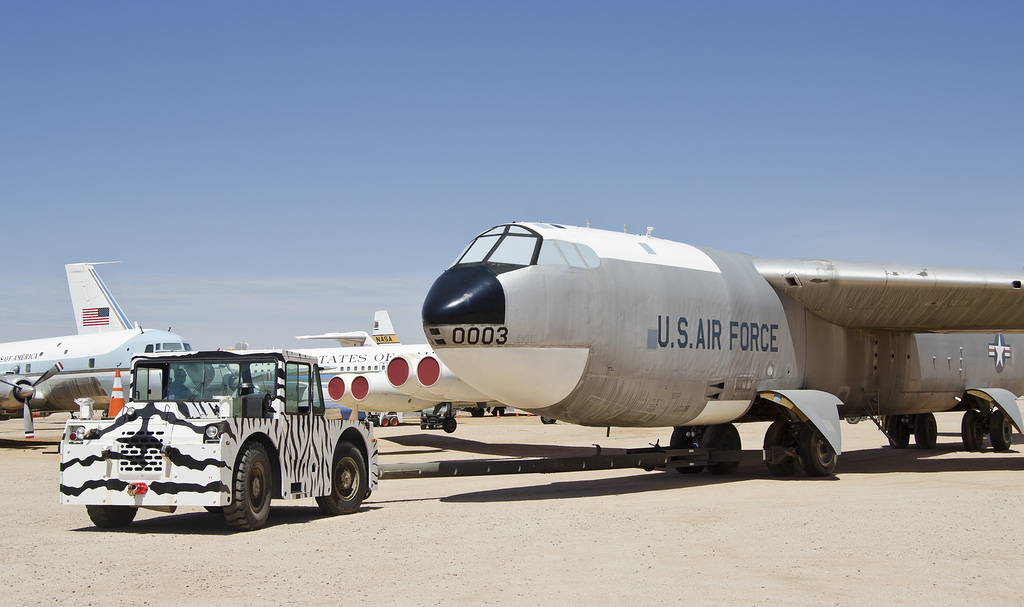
{"x":514,"y":250}
{"x":509,"y":247}
{"x":479,"y":250}
{"x":588,"y":255}
{"x":560,"y":252}
{"x":549,"y":255}
{"x":571,"y":254}
{"x":502,"y":248}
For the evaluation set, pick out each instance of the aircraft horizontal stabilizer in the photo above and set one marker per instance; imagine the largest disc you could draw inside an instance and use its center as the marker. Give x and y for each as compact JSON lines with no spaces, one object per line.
{"x":346,"y":339}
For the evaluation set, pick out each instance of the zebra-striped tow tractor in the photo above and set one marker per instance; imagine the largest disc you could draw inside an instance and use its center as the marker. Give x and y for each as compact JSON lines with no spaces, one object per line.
{"x":225,"y":430}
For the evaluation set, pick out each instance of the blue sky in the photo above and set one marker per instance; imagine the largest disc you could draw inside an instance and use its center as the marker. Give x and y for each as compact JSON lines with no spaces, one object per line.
{"x":265,"y":170}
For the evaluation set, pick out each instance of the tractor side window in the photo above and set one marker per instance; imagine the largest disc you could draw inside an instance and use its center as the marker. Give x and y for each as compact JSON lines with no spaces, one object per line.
{"x":296,"y":388}
{"x":149,"y":382}
{"x":262,"y":376}
{"x":316,"y":393}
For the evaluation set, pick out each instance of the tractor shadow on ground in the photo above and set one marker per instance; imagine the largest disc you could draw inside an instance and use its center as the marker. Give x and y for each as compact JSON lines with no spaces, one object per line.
{"x":212,"y":523}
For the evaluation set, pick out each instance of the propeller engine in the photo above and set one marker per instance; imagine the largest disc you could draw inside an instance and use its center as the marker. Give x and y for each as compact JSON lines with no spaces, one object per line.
{"x":22,"y":391}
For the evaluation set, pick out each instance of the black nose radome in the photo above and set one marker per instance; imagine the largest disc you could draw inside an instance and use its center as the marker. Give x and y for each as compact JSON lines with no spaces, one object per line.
{"x":468,"y":295}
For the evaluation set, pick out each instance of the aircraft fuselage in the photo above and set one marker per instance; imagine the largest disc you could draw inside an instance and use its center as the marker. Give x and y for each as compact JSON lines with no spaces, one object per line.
{"x":633,"y":331}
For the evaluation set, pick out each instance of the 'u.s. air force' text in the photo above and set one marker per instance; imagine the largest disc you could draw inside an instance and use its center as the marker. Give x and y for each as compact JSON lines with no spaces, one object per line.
{"x":713,"y":334}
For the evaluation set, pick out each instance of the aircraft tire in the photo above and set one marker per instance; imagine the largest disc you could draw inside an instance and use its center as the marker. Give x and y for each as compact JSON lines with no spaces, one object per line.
{"x":972,"y":431}
{"x":897,"y":432}
{"x":776,"y":435}
{"x":449,"y":424}
{"x":111,"y":517}
{"x":679,"y":440}
{"x":251,"y":488}
{"x":348,"y":481}
{"x":547,"y":420}
{"x":818,"y":456}
{"x":926,"y":432}
{"x":1000,"y":431}
{"x":722,"y":436}
{"x":477,"y":412}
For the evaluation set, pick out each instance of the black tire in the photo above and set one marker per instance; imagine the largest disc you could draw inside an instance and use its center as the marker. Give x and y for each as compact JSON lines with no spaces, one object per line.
{"x":926,"y":432}
{"x":897,"y":432}
{"x":349,"y":482}
{"x":777,"y":435}
{"x":547,"y":420}
{"x":722,"y":436}
{"x":1000,"y":431}
{"x":112,"y":517}
{"x":972,"y":430}
{"x":818,"y":456}
{"x":679,"y":440}
{"x":477,"y":411}
{"x":449,"y":424}
{"x":251,"y":489}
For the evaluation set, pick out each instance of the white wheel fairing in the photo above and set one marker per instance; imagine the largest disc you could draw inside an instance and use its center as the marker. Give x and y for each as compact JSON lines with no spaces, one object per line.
{"x":525,"y":378}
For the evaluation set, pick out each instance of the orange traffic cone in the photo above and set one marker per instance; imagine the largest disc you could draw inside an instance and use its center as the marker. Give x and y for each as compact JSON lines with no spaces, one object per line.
{"x":116,"y":396}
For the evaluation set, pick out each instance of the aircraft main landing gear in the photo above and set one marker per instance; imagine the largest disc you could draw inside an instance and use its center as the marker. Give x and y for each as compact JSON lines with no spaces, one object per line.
{"x":898,"y":429}
{"x":722,"y":437}
{"x":788,"y":445}
{"x":976,"y":424}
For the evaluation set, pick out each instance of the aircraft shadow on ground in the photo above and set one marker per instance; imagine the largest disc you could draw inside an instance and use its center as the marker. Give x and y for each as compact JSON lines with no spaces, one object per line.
{"x":642,"y":482}
{"x":883,"y":459}
{"x":212,"y":523}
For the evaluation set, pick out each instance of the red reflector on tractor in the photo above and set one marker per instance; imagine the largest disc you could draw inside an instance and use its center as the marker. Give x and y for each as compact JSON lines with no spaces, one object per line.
{"x":138,"y":489}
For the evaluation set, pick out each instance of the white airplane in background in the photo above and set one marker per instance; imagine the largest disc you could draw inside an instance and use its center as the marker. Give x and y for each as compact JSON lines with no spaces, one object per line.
{"x":380,"y":374}
{"x":48,"y":374}
{"x":610,"y":329}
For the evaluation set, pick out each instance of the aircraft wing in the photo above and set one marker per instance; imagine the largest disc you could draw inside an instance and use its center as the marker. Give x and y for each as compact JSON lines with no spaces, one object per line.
{"x":346,"y":339}
{"x":901,"y":297}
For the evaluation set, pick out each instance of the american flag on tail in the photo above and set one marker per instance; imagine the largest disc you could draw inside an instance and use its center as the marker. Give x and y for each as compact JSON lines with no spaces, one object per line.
{"x":95,"y":317}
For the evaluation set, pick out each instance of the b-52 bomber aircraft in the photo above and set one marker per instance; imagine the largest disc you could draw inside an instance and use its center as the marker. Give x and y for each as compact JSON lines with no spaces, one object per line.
{"x":610,"y":329}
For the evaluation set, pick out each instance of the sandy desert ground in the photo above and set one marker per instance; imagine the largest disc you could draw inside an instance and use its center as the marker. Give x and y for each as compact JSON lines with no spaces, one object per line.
{"x":940,"y":527}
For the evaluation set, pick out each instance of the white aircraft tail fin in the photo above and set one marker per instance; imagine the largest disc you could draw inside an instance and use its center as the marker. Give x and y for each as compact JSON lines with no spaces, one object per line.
{"x":383,"y":331}
{"x":95,"y":308}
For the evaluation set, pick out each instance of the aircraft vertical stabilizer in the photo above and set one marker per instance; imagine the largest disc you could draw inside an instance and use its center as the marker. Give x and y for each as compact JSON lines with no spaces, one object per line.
{"x":95,"y":308}
{"x":383,"y":331}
